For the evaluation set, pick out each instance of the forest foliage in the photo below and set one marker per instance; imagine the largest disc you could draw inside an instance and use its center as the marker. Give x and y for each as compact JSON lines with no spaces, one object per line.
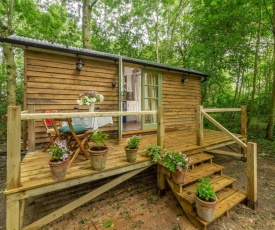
{"x":230,"y":40}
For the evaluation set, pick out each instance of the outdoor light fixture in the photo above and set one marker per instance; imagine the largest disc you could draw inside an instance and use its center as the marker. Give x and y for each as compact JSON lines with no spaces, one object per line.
{"x":185,"y":78}
{"x":79,"y":64}
{"x":114,"y":84}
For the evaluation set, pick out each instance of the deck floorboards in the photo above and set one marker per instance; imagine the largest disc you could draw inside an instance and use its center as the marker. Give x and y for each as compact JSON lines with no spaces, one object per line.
{"x":35,"y":171}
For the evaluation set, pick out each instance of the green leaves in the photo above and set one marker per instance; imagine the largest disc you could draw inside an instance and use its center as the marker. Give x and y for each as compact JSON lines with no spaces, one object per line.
{"x":108,"y":223}
{"x":204,"y":190}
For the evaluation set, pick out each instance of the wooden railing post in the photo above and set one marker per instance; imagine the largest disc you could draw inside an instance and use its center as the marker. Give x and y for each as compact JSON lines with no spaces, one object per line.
{"x":13,"y":147}
{"x":243,"y":120}
{"x":31,"y":130}
{"x":160,"y":142}
{"x":13,"y":165}
{"x":244,"y":127}
{"x":199,"y":126}
{"x":161,"y":127}
{"x":251,"y":173}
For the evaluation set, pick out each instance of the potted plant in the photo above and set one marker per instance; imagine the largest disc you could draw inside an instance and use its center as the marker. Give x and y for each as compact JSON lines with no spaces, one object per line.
{"x":177,"y":163}
{"x":132,"y":148}
{"x":206,"y":199}
{"x":98,"y":153}
{"x":59,"y":159}
{"x":155,"y":152}
{"x":90,"y":98}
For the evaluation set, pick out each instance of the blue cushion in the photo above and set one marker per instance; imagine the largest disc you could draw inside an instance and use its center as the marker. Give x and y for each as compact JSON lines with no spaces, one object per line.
{"x":77,"y":128}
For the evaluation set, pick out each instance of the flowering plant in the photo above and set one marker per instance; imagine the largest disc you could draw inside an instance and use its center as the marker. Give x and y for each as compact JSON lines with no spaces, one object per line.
{"x":59,"y":151}
{"x":89,"y":97}
{"x":176,"y":161}
{"x":133,"y":142}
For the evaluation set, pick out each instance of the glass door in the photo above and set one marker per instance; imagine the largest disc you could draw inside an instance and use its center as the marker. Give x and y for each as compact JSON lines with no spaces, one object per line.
{"x":151,"y":95}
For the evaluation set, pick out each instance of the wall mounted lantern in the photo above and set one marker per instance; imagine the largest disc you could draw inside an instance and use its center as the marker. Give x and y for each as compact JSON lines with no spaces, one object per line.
{"x":114,"y":84}
{"x":79,"y":64}
{"x":185,"y":78}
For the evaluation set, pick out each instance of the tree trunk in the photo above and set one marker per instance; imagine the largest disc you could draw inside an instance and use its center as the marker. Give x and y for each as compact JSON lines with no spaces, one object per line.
{"x":86,"y":20}
{"x":6,"y":30}
{"x":11,"y":73}
{"x":269,"y":134}
{"x":255,"y":68}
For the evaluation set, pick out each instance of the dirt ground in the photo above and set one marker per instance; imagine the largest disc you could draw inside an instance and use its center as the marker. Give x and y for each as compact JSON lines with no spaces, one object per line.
{"x":135,"y":205}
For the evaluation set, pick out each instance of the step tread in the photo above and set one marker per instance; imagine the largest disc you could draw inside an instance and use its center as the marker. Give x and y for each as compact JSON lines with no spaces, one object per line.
{"x":218,"y":182}
{"x":200,"y":157}
{"x":202,"y":170}
{"x":227,"y":199}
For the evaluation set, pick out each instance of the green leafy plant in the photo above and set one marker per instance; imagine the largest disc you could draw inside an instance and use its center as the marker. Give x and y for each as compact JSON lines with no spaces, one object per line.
{"x":204,"y":191}
{"x":108,"y":224}
{"x":59,"y":151}
{"x":133,"y":142}
{"x":99,"y":139}
{"x":176,"y":161}
{"x":154,"y":151}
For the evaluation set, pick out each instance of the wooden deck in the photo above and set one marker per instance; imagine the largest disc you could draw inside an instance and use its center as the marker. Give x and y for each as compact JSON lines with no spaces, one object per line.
{"x":36,"y":176}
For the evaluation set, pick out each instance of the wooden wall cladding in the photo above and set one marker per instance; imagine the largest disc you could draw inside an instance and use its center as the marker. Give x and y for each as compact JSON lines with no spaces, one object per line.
{"x":180,"y":101}
{"x":53,"y":83}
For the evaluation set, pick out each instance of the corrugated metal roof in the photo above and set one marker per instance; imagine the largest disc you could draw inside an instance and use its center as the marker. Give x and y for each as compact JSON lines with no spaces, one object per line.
{"x":14,"y":39}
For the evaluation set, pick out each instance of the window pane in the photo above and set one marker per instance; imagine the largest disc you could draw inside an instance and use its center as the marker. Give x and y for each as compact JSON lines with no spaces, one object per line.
{"x":151,"y":92}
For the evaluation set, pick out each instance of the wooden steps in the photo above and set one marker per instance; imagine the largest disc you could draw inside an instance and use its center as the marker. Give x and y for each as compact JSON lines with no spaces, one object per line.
{"x":202,"y":166}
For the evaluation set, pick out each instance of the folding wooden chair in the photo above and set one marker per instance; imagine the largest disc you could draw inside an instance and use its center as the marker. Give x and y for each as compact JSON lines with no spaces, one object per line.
{"x":48,"y":124}
{"x":77,"y":138}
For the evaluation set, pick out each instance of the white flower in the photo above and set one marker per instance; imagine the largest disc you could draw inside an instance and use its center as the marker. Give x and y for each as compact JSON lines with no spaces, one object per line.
{"x":88,"y":103}
{"x":101,"y":97}
{"x":93,"y":100}
{"x":79,"y":102}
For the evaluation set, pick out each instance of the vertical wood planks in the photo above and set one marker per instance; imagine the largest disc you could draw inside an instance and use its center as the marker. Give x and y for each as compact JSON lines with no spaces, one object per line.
{"x":251,"y":173}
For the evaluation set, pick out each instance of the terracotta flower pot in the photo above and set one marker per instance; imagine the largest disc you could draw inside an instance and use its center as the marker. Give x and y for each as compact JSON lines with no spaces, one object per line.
{"x":98,"y":158}
{"x":59,"y":169}
{"x":131,"y":155}
{"x":205,"y":209}
{"x":179,"y":176}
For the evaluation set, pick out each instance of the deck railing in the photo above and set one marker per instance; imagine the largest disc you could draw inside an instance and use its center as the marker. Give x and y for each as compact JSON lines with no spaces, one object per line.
{"x":15,"y":116}
{"x":249,"y":149}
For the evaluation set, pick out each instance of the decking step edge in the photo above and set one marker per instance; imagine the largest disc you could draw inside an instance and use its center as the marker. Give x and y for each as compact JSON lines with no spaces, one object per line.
{"x":218,"y":182}
{"x":195,"y":174}
{"x":228,"y":198}
{"x":200,"y":158}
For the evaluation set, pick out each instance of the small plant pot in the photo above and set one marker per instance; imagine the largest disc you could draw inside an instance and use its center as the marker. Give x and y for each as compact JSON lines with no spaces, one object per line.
{"x":59,"y":169}
{"x":98,"y":158}
{"x":131,"y":155}
{"x":205,"y":209}
{"x":179,"y":176}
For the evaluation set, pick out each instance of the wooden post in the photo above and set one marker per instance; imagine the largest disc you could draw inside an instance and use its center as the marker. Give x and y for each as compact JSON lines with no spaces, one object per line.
{"x":244,"y":127}
{"x":161,"y":127}
{"x":13,"y":165}
{"x":199,"y":126}
{"x":13,"y":147}
{"x":251,"y":173}
{"x":31,"y":130}
{"x":161,"y":180}
{"x":160,"y":142}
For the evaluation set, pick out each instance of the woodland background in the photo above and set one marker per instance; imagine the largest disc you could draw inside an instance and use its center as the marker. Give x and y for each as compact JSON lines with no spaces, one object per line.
{"x":231,"y":40}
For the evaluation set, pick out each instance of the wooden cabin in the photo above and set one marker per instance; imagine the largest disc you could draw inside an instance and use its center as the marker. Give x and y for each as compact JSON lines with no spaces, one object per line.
{"x":159,"y":102}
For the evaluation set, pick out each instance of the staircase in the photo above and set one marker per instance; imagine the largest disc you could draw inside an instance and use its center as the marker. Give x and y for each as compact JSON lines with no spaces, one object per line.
{"x":202,"y":166}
